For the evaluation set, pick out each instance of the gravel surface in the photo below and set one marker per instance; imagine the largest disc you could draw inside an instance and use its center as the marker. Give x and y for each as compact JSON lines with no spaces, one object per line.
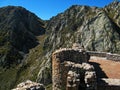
{"x":106,"y":68}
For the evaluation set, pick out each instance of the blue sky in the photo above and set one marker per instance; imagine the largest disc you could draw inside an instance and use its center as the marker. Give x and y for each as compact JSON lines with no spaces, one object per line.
{"x":45,"y":9}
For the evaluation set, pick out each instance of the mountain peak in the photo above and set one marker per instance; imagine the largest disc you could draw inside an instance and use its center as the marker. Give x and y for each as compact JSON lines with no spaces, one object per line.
{"x":19,"y":28}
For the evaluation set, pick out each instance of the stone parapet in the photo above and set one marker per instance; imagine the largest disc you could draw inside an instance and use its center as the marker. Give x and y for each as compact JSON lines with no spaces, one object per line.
{"x":108,"y":56}
{"x":96,"y":53}
{"x":81,"y":76}
{"x":64,"y":60}
{"x":114,"y":57}
{"x":71,"y":70}
{"x":69,"y":54}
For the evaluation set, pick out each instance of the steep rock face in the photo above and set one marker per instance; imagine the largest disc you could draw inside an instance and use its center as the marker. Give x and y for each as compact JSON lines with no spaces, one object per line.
{"x":113,"y":10}
{"x":92,"y":27}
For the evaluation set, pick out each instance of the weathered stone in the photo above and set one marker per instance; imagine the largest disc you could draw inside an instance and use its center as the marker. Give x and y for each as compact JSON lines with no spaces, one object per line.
{"x":108,"y":84}
{"x":29,"y":85}
{"x":90,"y":80}
{"x":109,"y":81}
{"x":87,"y":67}
{"x":64,"y":60}
{"x":72,"y":80}
{"x":78,"y":46}
{"x":69,"y":67}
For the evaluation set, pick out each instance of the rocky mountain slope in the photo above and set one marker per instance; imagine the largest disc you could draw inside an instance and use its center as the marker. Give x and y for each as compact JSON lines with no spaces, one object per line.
{"x":22,"y":35}
{"x":19,"y":29}
{"x":97,"y":29}
{"x":93,"y":27}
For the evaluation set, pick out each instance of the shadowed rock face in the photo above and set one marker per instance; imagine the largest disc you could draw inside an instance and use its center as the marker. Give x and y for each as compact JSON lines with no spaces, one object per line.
{"x":18,"y":31}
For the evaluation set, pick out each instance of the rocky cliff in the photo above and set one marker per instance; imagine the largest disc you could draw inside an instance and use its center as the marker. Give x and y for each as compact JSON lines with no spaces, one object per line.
{"x":97,"y":29}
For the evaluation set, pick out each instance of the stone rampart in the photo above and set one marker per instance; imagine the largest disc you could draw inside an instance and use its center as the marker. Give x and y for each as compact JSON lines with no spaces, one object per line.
{"x":59,"y":67}
{"x":114,"y":57}
{"x":95,"y":53}
{"x":29,"y":85}
{"x":71,"y":70}
{"x":73,"y":55}
{"x":108,"y":56}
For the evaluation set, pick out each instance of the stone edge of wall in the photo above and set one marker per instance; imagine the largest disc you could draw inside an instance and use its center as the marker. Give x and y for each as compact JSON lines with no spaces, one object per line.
{"x":67,"y":49}
{"x":109,"y":56}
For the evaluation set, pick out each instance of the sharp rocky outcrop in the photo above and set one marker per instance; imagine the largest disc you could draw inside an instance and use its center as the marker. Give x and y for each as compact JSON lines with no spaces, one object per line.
{"x":95,"y":28}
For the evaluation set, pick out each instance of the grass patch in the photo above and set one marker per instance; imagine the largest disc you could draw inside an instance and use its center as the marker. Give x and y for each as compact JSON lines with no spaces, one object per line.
{"x":49,"y":87}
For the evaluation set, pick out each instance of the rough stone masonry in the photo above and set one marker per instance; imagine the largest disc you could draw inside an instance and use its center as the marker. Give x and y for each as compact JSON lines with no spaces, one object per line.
{"x":70,"y":70}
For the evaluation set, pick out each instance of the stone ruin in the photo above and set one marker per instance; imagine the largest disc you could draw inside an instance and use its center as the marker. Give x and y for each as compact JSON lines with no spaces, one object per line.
{"x":29,"y":85}
{"x":81,"y":77}
{"x":71,"y":71}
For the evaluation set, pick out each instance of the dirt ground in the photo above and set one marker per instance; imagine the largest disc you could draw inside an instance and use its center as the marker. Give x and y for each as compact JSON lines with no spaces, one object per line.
{"x":106,"y":68}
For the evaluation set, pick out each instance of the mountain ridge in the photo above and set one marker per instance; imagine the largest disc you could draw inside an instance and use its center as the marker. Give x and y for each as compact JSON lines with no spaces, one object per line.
{"x":19,"y":30}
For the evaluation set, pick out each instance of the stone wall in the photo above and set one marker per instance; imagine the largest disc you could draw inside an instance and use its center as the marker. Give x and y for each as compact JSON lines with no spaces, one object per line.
{"x":114,"y":57}
{"x":59,"y":67}
{"x":74,"y":55}
{"x":29,"y":85}
{"x":71,"y":71}
{"x":80,"y":76}
{"x":108,"y":84}
{"x":95,"y":53}
{"x":108,"y":56}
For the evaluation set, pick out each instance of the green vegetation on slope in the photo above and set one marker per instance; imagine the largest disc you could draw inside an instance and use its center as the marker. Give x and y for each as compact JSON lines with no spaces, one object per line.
{"x":19,"y":29}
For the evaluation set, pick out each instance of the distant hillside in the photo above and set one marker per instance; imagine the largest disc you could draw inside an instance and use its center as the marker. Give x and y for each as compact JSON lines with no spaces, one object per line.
{"x":19,"y":29}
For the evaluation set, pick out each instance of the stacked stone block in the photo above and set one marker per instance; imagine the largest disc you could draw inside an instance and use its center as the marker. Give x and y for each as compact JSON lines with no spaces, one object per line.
{"x":68,"y":60}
